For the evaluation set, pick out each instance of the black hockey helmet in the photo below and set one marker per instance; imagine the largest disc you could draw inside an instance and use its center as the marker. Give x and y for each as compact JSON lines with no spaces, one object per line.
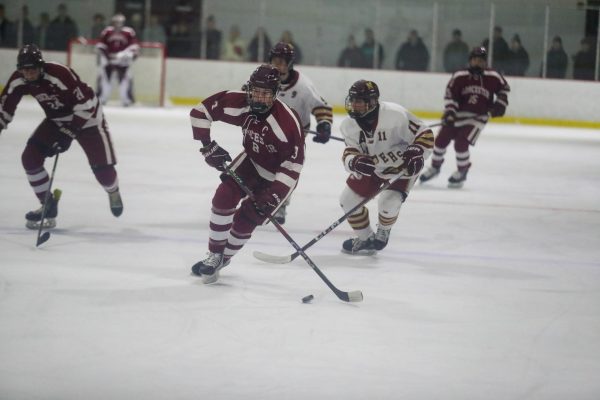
{"x":285,"y":51}
{"x":479,"y":52}
{"x":265,"y":77}
{"x":362,"y":90}
{"x":30,"y":56}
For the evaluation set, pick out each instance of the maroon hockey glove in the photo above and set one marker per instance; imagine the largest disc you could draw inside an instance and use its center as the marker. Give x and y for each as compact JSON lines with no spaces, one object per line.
{"x":323,"y":132}
{"x":266,"y":203}
{"x":256,"y":211}
{"x":497,"y":110}
{"x":215,"y":156}
{"x":448,"y":119}
{"x":363,"y":165}
{"x":413,"y":159}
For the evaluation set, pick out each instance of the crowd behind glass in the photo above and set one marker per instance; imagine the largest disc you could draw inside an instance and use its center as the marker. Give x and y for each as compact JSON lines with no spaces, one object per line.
{"x":182,"y":37}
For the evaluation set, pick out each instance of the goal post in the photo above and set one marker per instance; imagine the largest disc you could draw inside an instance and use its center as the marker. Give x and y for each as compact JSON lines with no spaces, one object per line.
{"x":148,"y":69}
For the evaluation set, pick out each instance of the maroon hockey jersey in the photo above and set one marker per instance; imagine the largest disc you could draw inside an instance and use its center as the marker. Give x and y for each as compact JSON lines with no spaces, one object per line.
{"x":115,"y":43}
{"x":470,"y":95}
{"x":63,"y":96}
{"x":274,"y":142}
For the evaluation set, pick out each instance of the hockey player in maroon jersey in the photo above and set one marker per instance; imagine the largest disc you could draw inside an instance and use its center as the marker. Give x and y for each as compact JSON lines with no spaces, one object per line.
{"x":473,"y":95}
{"x":270,"y":163}
{"x":72,"y":113}
{"x":118,"y":48}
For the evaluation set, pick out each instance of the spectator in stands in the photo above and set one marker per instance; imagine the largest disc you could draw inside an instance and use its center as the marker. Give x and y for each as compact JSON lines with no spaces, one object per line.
{"x":234,"y":48}
{"x":500,"y":50}
{"x":137,"y":22}
{"x":27,"y":26}
{"x":455,"y":53}
{"x":8,"y":32}
{"x":61,"y":30}
{"x":518,"y":58}
{"x":412,"y":55}
{"x":584,"y":61}
{"x":260,"y":43}
{"x":286,"y":37}
{"x":98,"y":25}
{"x":556,"y":60}
{"x":351,"y":56}
{"x":213,"y":39}
{"x":41,"y":31}
{"x":154,"y":31}
{"x":372,"y":56}
{"x":179,"y":41}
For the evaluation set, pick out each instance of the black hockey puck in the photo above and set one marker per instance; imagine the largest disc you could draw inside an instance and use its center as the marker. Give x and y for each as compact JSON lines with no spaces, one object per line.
{"x":307,"y":299}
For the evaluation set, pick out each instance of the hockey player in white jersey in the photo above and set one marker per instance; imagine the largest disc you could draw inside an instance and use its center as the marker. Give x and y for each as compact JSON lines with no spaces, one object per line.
{"x":298,"y":92}
{"x":384,"y":142}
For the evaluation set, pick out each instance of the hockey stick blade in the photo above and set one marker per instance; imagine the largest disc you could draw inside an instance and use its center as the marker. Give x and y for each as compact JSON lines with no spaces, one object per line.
{"x":344,"y":296}
{"x":355,"y":296}
{"x":269,"y":258}
{"x":43,"y":239}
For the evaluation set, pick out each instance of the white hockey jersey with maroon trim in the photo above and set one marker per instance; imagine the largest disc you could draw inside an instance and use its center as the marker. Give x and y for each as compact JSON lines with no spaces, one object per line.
{"x":300,"y":94}
{"x":396,"y":128}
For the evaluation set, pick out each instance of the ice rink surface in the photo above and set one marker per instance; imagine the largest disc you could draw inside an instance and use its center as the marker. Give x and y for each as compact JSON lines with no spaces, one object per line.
{"x":488,"y":292}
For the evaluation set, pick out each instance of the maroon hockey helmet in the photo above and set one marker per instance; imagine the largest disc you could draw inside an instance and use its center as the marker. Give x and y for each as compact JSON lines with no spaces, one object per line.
{"x":479,"y":52}
{"x":265,"y":77}
{"x":362,"y":90}
{"x":30,"y":56}
{"x":285,"y":51}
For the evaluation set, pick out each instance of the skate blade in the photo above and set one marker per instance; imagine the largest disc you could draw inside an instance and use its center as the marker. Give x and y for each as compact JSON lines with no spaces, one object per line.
{"x":208,"y":279}
{"x":49,"y":223}
{"x":457,"y":185}
{"x":365,"y":252}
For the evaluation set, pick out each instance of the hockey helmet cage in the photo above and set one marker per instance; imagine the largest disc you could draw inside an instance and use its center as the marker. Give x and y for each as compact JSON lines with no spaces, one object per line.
{"x":265,"y":76}
{"x":118,"y":20}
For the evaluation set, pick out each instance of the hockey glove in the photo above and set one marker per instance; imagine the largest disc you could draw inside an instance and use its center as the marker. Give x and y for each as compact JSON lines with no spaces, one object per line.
{"x":363,"y":165}
{"x":323,"y":132}
{"x":266,"y":203}
{"x":215,"y":156}
{"x":256,"y":211}
{"x":448,"y":119}
{"x":413,"y":159}
{"x":497,"y":110}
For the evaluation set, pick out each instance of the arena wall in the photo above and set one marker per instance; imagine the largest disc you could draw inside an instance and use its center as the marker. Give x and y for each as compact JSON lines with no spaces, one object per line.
{"x":532,"y":100}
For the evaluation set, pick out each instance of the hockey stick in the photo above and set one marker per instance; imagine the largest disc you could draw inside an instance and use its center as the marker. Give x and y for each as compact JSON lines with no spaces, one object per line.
{"x":330,"y":137}
{"x":43,"y":238}
{"x":353,"y":296}
{"x":286,"y":259}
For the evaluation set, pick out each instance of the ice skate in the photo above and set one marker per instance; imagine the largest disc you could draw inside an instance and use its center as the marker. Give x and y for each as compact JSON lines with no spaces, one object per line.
{"x":116,"y":204}
{"x":360,"y":247}
{"x":457,"y":179}
{"x":280,"y":214}
{"x":209,"y":268}
{"x":34,"y":218}
{"x":381,"y":238}
{"x":429,"y":174}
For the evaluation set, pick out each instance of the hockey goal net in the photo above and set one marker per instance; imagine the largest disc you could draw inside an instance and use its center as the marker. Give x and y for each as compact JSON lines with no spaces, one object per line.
{"x":148,"y":70}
